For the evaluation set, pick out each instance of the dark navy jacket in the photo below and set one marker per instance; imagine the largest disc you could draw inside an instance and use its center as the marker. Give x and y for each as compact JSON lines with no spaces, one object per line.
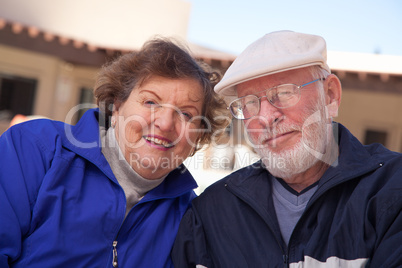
{"x":61,"y":205}
{"x":354,"y":219}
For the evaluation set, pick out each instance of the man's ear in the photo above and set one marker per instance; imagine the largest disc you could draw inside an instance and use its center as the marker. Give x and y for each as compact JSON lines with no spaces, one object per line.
{"x":333,"y":94}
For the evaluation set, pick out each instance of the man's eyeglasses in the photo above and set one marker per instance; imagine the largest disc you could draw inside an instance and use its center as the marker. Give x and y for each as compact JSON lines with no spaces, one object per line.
{"x":282,"y":96}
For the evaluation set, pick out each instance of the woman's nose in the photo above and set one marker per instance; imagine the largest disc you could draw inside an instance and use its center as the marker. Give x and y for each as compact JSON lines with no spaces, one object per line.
{"x":165,"y":119}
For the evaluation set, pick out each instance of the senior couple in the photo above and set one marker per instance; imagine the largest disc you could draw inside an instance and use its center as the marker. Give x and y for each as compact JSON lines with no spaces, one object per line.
{"x":317,"y":197}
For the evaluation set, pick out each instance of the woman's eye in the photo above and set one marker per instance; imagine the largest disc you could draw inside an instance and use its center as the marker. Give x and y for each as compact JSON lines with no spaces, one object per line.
{"x":186,"y":115}
{"x":150,"y":103}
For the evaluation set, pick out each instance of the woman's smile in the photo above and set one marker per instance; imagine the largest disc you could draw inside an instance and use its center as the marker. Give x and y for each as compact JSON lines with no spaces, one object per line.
{"x":158,"y":142}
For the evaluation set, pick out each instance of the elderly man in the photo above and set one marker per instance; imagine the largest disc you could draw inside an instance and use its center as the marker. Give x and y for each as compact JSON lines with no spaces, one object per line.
{"x":318,"y":197}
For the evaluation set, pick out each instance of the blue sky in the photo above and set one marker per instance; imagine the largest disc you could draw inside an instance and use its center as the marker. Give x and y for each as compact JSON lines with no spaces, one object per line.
{"x":365,"y":26}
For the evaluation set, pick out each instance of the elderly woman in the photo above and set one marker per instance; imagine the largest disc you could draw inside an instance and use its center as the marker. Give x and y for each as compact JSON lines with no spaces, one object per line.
{"x":111,"y":190}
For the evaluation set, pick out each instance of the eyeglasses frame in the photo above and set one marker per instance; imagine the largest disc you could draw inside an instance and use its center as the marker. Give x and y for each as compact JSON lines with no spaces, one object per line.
{"x":266,"y":96}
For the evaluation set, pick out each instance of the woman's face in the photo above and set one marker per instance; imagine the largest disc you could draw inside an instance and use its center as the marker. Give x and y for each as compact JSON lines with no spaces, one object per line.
{"x":157,"y":126}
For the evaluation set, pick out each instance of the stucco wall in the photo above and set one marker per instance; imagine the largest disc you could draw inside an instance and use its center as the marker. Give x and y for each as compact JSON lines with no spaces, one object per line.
{"x":59,"y":83}
{"x":363,"y":110}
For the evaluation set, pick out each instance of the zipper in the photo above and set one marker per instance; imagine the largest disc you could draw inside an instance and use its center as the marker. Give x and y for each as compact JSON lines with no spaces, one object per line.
{"x":114,"y":260}
{"x":285,"y":261}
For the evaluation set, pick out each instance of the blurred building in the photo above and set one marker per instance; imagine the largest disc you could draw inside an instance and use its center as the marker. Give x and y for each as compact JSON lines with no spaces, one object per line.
{"x":371,"y":105}
{"x":50,"y":51}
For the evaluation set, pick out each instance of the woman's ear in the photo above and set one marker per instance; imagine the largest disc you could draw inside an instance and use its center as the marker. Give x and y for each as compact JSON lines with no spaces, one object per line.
{"x":115,"y":107}
{"x":333,"y":94}
{"x":115,"y":114}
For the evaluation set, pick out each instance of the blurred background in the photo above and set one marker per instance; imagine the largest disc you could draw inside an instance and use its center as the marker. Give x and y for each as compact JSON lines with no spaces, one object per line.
{"x":50,"y":52}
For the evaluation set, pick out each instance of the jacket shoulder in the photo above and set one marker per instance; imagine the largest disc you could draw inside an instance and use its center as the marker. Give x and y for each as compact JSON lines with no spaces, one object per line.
{"x":389,"y":160}
{"x":381,"y":151}
{"x":42,"y":132}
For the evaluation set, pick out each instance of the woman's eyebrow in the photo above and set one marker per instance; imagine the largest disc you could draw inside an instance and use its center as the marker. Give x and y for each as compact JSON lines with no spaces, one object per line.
{"x":151,"y":92}
{"x":191,"y":106}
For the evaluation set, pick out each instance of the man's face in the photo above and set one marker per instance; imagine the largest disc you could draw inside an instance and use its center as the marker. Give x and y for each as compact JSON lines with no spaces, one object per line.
{"x":280,"y":136}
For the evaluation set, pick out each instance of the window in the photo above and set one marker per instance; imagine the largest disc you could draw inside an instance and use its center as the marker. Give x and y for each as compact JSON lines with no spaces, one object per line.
{"x":17,"y":96}
{"x":86,"y":96}
{"x":375,"y":136}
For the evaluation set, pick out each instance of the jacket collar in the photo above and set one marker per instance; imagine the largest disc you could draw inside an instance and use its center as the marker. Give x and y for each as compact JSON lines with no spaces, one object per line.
{"x":354,"y":159}
{"x":252,"y":184}
{"x":84,"y":138}
{"x":178,"y":182}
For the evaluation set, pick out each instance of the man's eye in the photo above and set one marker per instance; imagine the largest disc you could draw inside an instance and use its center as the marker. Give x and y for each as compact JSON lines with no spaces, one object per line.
{"x":250,"y":102}
{"x":284,"y":93}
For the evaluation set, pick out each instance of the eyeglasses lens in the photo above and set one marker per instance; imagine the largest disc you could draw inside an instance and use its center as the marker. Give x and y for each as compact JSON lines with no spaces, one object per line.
{"x":281,"y":97}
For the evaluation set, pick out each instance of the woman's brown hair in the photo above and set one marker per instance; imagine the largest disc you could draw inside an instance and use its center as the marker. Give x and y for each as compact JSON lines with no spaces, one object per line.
{"x":161,"y":57}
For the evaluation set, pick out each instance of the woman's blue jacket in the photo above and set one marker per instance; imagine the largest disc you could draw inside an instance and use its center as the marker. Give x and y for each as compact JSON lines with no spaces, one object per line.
{"x":61,"y":205}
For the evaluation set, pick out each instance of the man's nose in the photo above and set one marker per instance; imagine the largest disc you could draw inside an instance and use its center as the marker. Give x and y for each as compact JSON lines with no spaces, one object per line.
{"x":269,"y":115}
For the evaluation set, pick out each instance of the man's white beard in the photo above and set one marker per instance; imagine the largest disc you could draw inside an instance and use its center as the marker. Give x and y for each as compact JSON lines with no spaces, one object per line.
{"x":289,"y":162}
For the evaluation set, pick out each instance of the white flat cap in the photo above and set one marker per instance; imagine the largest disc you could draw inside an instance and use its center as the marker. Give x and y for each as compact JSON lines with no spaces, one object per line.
{"x":273,"y":53}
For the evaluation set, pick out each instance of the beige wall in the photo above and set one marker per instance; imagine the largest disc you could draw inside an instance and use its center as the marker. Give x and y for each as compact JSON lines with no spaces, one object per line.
{"x":122,"y":24}
{"x":362,"y":110}
{"x":59,"y":83}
